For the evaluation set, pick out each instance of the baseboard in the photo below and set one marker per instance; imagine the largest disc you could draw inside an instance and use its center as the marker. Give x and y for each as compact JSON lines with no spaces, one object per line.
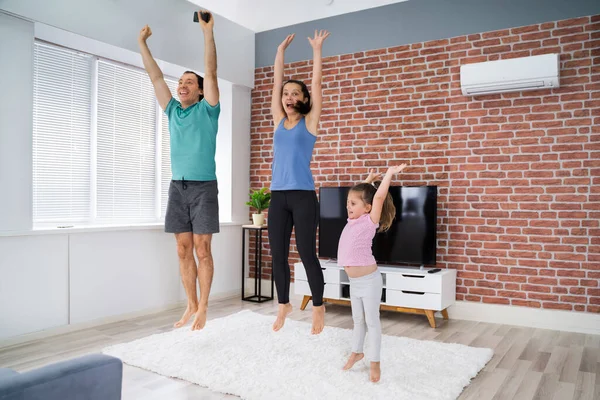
{"x":61,"y":330}
{"x":559,"y":320}
{"x":570,"y":321}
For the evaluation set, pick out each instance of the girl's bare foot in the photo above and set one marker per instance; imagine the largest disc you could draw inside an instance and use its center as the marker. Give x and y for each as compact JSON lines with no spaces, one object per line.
{"x":375,"y":373}
{"x":284,"y":310}
{"x":354,"y":357}
{"x":200,"y":319}
{"x":318,"y":319}
{"x":189,"y":311}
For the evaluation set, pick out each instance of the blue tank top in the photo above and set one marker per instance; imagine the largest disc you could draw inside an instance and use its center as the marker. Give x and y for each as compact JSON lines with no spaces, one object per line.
{"x":292,"y":152}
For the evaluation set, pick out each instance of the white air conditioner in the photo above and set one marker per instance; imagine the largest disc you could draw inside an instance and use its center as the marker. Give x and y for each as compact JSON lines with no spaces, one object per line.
{"x":512,"y":75}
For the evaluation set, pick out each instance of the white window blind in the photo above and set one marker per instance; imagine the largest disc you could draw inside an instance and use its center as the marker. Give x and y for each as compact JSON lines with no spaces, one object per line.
{"x":126,"y":140}
{"x":166,"y":152}
{"x":61,"y":135}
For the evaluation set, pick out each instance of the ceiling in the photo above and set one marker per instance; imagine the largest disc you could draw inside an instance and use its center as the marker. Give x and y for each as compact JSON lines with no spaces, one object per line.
{"x":264,"y":15}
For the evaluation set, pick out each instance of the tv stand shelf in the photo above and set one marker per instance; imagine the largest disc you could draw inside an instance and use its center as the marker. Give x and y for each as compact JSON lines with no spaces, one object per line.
{"x":409,"y":290}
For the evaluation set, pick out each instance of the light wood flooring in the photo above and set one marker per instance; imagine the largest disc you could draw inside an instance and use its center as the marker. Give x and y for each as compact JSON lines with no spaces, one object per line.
{"x":528,"y":363}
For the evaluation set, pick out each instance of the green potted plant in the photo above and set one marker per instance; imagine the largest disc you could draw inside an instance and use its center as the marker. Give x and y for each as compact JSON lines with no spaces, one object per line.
{"x":259,"y":200}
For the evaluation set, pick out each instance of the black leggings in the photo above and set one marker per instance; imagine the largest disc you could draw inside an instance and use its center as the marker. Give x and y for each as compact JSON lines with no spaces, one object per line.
{"x":299,"y":209}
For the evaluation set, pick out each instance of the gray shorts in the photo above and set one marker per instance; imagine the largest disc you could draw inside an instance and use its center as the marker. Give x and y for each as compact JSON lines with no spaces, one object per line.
{"x":193,"y":206}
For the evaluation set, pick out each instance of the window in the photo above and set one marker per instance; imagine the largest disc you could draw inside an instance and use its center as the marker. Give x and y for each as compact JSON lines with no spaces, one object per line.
{"x":125,"y":144}
{"x":61,"y":135}
{"x":100,"y":141}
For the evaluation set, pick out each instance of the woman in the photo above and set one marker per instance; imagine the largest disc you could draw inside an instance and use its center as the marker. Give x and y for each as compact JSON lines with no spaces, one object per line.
{"x":293,"y":197}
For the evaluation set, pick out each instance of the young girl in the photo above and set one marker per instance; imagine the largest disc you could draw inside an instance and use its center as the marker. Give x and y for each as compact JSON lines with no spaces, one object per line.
{"x":369,"y":207}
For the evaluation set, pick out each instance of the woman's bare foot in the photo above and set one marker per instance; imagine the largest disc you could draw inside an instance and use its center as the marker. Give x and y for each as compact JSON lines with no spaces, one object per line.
{"x":189,"y":311}
{"x":284,"y":310}
{"x":199,"y":319}
{"x":375,"y":373}
{"x":318,"y":319}
{"x":354,"y":358}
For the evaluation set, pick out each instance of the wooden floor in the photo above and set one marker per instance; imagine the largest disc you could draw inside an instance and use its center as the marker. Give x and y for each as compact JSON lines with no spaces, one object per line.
{"x":528,"y":363}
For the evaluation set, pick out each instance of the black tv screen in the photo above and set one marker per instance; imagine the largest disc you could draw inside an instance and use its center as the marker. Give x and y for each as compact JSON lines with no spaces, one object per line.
{"x":410,"y":239}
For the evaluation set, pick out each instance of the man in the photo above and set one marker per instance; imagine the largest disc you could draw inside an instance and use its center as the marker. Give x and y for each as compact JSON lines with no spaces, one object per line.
{"x":193,"y":209}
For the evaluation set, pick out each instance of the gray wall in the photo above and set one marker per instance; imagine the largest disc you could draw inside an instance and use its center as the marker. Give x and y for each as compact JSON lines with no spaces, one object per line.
{"x":416,"y":21}
{"x":176,"y":38}
{"x":16,"y":123}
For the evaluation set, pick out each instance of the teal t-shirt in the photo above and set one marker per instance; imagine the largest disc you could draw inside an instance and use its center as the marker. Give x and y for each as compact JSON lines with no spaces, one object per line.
{"x":193,"y":140}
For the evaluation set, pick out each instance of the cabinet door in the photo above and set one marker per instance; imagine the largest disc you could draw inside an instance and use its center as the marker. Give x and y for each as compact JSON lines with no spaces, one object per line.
{"x":301,"y":287}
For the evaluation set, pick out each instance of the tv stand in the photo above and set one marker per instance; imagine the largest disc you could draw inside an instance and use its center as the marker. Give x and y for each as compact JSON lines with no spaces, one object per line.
{"x":407,"y":290}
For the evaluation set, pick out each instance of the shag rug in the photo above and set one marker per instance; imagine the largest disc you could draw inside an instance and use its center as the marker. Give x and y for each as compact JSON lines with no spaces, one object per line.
{"x":241,"y":355}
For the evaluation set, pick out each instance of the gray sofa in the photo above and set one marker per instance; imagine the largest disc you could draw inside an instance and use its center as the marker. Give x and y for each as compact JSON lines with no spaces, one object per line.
{"x":91,"y":377}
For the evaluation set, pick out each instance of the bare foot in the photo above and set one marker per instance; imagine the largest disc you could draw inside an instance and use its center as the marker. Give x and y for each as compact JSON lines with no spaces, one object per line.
{"x":318,"y":319}
{"x":200,"y":319}
{"x":354,"y":358}
{"x":375,"y":373}
{"x":284,"y":310}
{"x":189,"y":311}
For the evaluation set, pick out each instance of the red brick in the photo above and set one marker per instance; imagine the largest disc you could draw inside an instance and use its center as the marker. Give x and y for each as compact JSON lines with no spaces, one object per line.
{"x":542,"y":296}
{"x":534,"y":304}
{"x":496,"y":300}
{"x":574,"y":299}
{"x":557,"y":306}
{"x":512,"y":294}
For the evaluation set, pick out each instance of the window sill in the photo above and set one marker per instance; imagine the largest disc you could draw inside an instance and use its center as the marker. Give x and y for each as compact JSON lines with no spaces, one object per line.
{"x":99,"y":228}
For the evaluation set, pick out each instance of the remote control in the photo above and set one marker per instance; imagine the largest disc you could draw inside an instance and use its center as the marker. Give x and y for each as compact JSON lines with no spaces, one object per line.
{"x":433,"y":271}
{"x":205,"y":17}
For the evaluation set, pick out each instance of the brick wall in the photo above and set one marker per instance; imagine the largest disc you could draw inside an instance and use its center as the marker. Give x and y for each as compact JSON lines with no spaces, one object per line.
{"x":518,"y":174}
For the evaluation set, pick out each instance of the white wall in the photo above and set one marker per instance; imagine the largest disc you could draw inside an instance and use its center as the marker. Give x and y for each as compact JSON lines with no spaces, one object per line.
{"x":240,"y":152}
{"x":51,"y":281}
{"x":34,"y":282}
{"x":112,"y":273}
{"x":224,"y":157}
{"x":227,"y":257}
{"x":16,"y":122}
{"x":176,"y":38}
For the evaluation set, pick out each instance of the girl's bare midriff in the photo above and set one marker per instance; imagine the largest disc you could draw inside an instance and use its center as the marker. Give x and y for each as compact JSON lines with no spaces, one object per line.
{"x":357,"y":272}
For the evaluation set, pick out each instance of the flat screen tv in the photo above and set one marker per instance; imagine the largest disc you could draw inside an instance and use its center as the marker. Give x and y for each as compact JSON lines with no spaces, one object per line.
{"x":412,"y":237}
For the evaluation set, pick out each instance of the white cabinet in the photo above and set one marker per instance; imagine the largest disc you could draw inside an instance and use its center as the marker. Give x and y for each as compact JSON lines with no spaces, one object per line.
{"x":404,"y":289}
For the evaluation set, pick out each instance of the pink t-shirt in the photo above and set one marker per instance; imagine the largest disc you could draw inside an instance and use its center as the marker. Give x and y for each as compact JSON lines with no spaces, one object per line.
{"x":356,"y":240}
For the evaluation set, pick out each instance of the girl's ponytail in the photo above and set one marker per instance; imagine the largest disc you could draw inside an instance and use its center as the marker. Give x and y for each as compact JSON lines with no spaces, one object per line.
{"x":388,"y":211}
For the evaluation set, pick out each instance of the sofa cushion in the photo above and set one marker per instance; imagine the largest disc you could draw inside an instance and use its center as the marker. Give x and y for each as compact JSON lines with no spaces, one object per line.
{"x":6,"y":373}
{"x":91,"y":377}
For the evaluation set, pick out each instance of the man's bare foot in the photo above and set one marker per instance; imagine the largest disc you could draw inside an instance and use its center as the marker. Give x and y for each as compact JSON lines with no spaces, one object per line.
{"x":199,"y":319}
{"x":354,"y":358}
{"x":284,"y":310}
{"x":375,"y":373}
{"x":318,"y":319}
{"x":189,"y":311}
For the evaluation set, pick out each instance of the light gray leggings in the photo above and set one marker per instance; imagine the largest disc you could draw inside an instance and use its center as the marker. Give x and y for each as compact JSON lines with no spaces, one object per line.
{"x":365,"y":297}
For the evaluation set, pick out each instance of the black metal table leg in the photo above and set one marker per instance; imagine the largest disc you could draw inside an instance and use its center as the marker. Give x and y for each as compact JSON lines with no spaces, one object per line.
{"x":259,"y":263}
{"x":258,"y":297}
{"x":243,"y":260}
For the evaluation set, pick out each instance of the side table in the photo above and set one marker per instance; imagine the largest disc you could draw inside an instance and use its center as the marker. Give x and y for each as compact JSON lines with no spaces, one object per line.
{"x":257,"y":297}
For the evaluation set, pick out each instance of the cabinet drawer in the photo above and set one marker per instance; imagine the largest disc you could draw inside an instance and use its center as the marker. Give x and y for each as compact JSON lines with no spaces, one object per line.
{"x":332,"y":291}
{"x":428,"y":283}
{"x":331,"y":275}
{"x":427,"y":301}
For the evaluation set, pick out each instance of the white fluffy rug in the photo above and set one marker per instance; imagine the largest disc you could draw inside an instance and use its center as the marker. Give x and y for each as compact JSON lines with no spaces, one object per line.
{"x":241,"y":355}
